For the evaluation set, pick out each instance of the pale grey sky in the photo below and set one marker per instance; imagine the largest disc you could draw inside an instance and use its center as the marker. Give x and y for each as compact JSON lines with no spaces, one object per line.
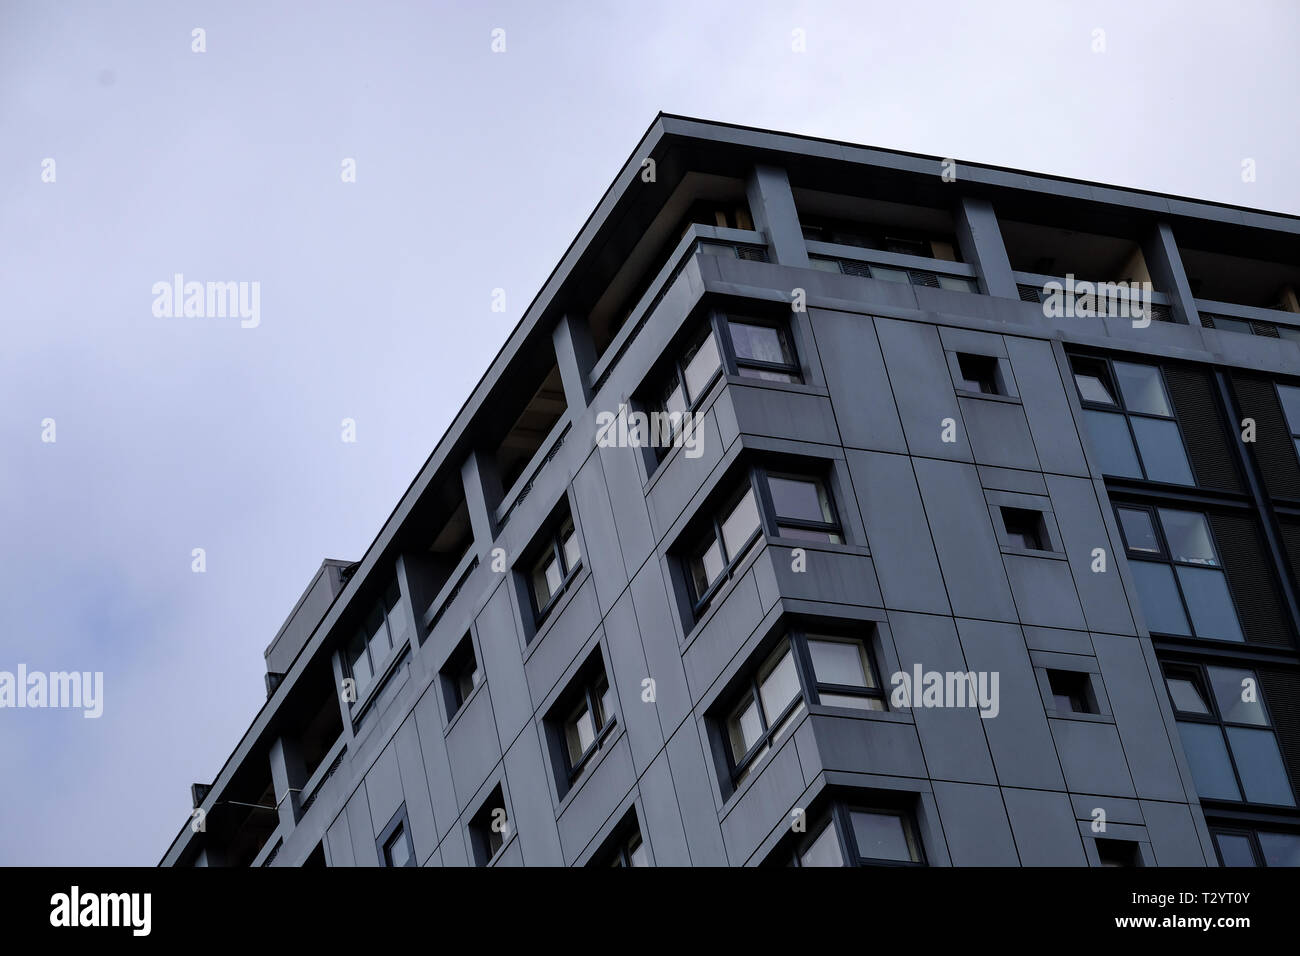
{"x":474,"y":171}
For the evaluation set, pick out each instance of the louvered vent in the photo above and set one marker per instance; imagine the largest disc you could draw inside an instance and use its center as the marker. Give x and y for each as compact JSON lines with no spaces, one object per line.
{"x":1030,"y":293}
{"x":1208,"y":440}
{"x":1282,"y":697}
{"x":1207,"y":320}
{"x":851,"y":268}
{"x":1264,"y":329}
{"x":921,"y":277}
{"x":751,"y":253}
{"x":1273,"y":449}
{"x":1241,"y":548}
{"x":1161,"y":313}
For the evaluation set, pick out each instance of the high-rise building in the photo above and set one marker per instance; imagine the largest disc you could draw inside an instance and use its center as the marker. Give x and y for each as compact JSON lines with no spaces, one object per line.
{"x":829,"y":505}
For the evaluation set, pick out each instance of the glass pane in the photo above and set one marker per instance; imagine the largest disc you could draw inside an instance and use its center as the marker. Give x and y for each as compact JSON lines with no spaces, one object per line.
{"x":468,"y":680}
{"x":1231,"y":684}
{"x":396,"y":850}
{"x":359,"y":663}
{"x":569,"y":544}
{"x":745,"y":727}
{"x":606,"y":701}
{"x":851,"y":701}
{"x":1188,"y":534}
{"x":824,"y":850}
{"x":1093,"y":389}
{"x":740,"y":525}
{"x":1142,"y":389}
{"x":1139,"y":533}
{"x":840,"y":661}
{"x":706,"y":566}
{"x":1222,"y":324}
{"x":823,"y":264}
{"x":1186,"y":696}
{"x":1260,"y":765}
{"x":889,"y":275}
{"x":807,"y":534}
{"x":779,"y":685}
{"x":958,"y":284}
{"x":701,"y":367}
{"x":881,"y":836}
{"x":718,"y":249}
{"x":1159,"y":598}
{"x":377,"y":630}
{"x":1208,"y":601}
{"x":1162,"y":451}
{"x":1108,"y":435}
{"x":799,"y":498}
{"x":1280,"y":849}
{"x":546,"y":579}
{"x":1290,"y":398}
{"x":1235,"y":849}
{"x":1211,"y":769}
{"x":763,"y":343}
{"x":579,"y":732}
{"x":675,"y":398}
{"x":636,"y":855}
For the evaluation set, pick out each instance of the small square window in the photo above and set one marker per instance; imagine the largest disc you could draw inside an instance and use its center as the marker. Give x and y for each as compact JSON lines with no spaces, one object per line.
{"x":1072,"y":692}
{"x":490,"y":828}
{"x":460,"y":675}
{"x":394,"y":843}
{"x":1118,"y":852}
{"x":979,"y":373}
{"x":1025,"y":529}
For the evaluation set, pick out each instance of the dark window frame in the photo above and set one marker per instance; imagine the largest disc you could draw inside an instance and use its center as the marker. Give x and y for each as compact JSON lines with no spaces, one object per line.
{"x":1199,"y":672}
{"x":840,"y":816}
{"x":733,"y":364}
{"x":810,"y":690}
{"x":552,"y":541}
{"x":1088,"y":695}
{"x":1165,"y":556}
{"x":994,"y":368}
{"x":480,"y":828}
{"x":587,"y":683}
{"x":1119,"y":408}
{"x":1042,"y":539}
{"x":380,"y":673}
{"x":1252,"y":836}
{"x":453,"y":671}
{"x":399,"y":825}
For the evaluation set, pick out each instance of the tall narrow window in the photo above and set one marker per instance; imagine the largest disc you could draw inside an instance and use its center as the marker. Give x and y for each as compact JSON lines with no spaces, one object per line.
{"x":555,"y":567}
{"x":490,"y":828}
{"x":1227,"y":735}
{"x":1180,"y":582}
{"x":371,"y":647}
{"x":766,"y":706}
{"x":1130,"y":421}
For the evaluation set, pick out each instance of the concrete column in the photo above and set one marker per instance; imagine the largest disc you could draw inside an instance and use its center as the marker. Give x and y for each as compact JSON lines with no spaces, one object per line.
{"x":483,"y":494}
{"x":575,"y":354}
{"x":980,"y":240}
{"x":419,"y":577}
{"x":1166,"y":267}
{"x":288,"y":774}
{"x":771,"y":203}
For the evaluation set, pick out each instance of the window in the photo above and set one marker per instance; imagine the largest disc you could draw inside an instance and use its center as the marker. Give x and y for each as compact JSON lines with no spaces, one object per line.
{"x":1289,"y":396}
{"x":1118,"y":852}
{"x":555,"y":567}
{"x":762,"y":350}
{"x":460,"y":675}
{"x":589,"y":718}
{"x":1130,"y":421}
{"x":830,"y":670}
{"x":1072,"y":692}
{"x":851,"y":835}
{"x":800,"y":506}
{"x":371,"y":648}
{"x":625,"y":848}
{"x":1227,"y":735}
{"x":979,"y":373}
{"x":490,"y":828}
{"x":1025,"y":530}
{"x":1180,"y":582}
{"x":394,"y":843}
{"x":1256,"y":847}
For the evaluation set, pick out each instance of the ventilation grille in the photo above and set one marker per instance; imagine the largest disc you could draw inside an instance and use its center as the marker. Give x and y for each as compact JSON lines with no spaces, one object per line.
{"x":1282,"y":696}
{"x":1204,"y":429}
{"x":1251,"y":580}
{"x":752,"y":253}
{"x":1265,"y":329}
{"x":1030,"y":293}
{"x":1273,"y":449}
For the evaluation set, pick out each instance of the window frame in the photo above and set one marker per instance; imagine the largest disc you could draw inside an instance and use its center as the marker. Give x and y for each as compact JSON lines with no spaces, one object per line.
{"x":1121,"y":408}
{"x":399,"y":825}
{"x":553,"y":541}
{"x":1252,"y":836}
{"x":453,"y":669}
{"x":587,"y":684}
{"x":733,"y":364}
{"x":1199,"y":671}
{"x":1165,"y":557}
{"x":379,"y":673}
{"x":480,"y":828}
{"x":795,"y":638}
{"x":840,"y":817}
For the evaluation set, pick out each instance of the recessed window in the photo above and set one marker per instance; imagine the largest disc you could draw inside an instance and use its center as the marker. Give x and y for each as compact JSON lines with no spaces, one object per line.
{"x":1238,"y":847}
{"x":851,"y":835}
{"x":1118,"y":852}
{"x":373,"y":645}
{"x":1025,"y":529}
{"x":1071,"y":692}
{"x":1180,"y":581}
{"x":625,"y":848}
{"x":1227,"y":734}
{"x":394,"y":843}
{"x":1130,"y":421}
{"x":802,"y":507}
{"x":590,"y":715}
{"x":460,"y":675}
{"x":832,"y":670}
{"x":555,"y":567}
{"x":763,"y":350}
{"x":490,"y":828}
{"x":979,"y":373}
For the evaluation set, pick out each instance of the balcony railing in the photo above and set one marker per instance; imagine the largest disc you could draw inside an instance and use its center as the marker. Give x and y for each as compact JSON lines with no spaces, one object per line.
{"x":1032,"y":287}
{"x":893,"y":266}
{"x":1249,"y":320}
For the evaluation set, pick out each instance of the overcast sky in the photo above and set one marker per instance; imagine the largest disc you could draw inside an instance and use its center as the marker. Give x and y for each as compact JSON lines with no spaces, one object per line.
{"x":474,"y":171}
